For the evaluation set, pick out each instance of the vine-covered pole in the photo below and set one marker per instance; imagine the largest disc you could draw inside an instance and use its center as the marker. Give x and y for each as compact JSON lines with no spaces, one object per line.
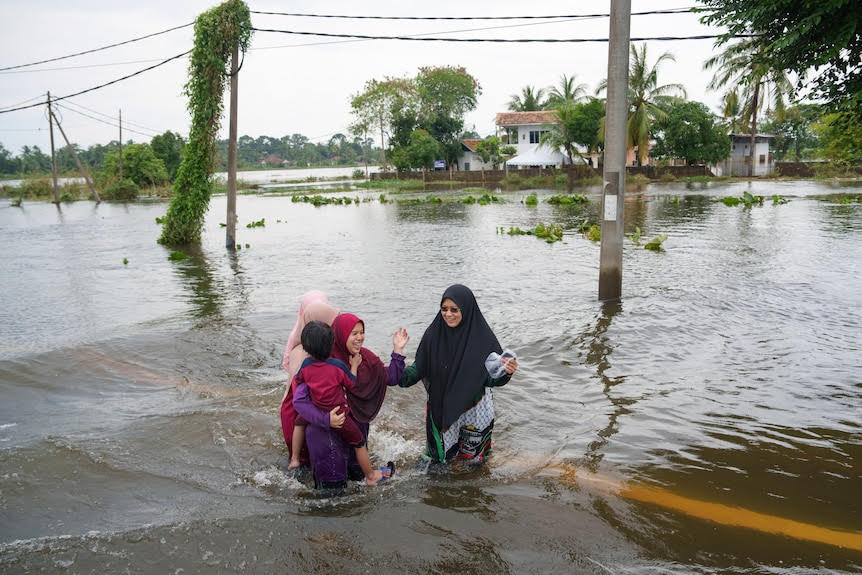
{"x":230,"y":237}
{"x":219,"y":33}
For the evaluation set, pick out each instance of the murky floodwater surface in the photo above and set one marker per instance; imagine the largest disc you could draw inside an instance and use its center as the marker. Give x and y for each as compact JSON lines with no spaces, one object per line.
{"x":708,"y":423}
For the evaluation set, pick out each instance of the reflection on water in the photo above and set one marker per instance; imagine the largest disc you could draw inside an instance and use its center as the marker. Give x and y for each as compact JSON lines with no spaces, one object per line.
{"x":139,"y":427}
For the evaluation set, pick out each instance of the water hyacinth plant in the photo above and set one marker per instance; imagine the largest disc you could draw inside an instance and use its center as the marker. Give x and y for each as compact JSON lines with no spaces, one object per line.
{"x":655,"y":243}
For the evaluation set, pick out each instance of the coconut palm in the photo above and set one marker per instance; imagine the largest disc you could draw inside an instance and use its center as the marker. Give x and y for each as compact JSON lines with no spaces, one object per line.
{"x":744,"y":65}
{"x":565,"y":91}
{"x":529,"y":100}
{"x":648,"y":101}
{"x":731,"y":111}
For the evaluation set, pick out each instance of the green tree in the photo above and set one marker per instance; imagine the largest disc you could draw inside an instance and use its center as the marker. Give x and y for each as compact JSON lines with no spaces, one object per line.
{"x":648,"y":101}
{"x":565,"y":91}
{"x":840,"y":138}
{"x":8,"y":163}
{"x":690,"y":132}
{"x":799,"y":37}
{"x":445,"y":95}
{"x":731,"y":111}
{"x":423,"y":150}
{"x":374,"y":108}
{"x":34,"y":161}
{"x":744,"y":65}
{"x":492,"y":150}
{"x":168,"y":147}
{"x":529,"y":100}
{"x":793,"y":132}
{"x":140,"y":165}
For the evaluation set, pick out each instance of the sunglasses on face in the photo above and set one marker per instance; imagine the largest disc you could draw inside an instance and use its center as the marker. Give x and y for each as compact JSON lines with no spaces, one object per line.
{"x":444,"y":309}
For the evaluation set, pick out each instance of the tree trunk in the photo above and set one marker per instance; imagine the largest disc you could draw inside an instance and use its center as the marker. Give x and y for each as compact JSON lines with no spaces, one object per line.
{"x":751,"y":153}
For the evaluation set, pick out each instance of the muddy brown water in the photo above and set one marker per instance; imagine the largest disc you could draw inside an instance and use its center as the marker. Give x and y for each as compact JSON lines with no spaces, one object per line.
{"x":708,"y":423}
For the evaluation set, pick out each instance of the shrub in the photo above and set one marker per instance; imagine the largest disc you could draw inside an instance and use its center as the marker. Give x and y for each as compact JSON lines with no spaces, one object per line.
{"x":125,"y":190}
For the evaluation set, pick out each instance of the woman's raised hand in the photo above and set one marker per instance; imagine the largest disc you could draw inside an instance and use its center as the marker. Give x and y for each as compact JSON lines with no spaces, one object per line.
{"x":355,"y":360}
{"x":399,"y":340}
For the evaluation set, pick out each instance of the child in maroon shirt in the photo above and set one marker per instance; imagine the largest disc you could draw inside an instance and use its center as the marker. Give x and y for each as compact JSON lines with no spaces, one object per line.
{"x":327,"y":381}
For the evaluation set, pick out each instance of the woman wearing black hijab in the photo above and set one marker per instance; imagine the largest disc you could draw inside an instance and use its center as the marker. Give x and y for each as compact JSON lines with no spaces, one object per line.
{"x":450,"y":360}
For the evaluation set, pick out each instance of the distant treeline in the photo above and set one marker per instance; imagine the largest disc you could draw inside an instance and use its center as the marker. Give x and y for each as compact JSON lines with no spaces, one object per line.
{"x":295,"y":150}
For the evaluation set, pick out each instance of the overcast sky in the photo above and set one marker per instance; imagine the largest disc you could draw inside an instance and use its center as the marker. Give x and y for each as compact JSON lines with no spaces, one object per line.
{"x":303,"y":84}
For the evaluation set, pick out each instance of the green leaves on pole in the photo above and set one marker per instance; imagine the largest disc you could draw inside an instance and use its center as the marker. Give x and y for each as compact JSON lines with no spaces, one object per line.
{"x":217,"y":32}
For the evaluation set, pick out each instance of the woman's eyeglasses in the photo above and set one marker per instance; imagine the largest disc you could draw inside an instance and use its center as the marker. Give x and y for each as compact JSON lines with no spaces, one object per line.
{"x":444,"y":309}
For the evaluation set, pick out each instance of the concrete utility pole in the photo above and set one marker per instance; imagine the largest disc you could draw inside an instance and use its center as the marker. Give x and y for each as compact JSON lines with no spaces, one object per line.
{"x":230,"y":234}
{"x":53,"y":156}
{"x":611,"y":258}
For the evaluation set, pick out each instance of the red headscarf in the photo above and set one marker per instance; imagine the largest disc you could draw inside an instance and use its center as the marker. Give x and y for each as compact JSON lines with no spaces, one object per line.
{"x":367,"y":395}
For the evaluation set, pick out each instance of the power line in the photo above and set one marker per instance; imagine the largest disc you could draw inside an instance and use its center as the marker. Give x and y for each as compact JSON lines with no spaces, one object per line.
{"x":23,"y":102}
{"x":96,"y":49}
{"x":566,"y":16}
{"x":126,"y":77}
{"x":112,"y":118}
{"x":81,"y":67}
{"x":498,"y":40}
{"x":113,"y":125}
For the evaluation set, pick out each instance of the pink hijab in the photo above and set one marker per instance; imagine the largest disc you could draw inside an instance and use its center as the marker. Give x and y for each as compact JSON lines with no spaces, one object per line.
{"x":318,"y":311}
{"x":293,"y":339}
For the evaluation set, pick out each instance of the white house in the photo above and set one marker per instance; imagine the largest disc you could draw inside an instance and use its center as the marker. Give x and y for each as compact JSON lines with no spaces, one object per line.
{"x":740,"y":148}
{"x":524,"y":131}
{"x":469,"y":159}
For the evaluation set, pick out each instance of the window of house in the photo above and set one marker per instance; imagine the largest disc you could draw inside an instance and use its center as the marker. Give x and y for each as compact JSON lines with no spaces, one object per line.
{"x":762,"y":159}
{"x":534,"y":136}
{"x":466,"y":166}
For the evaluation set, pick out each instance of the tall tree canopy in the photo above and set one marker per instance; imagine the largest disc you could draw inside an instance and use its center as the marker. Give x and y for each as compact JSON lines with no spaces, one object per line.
{"x":802,"y":36}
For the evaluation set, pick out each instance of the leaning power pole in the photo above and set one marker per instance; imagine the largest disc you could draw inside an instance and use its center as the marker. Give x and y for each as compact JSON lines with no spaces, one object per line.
{"x":611,"y":255}
{"x":53,"y":155}
{"x":77,"y":161}
{"x":230,"y":235}
{"x":121,"y":147}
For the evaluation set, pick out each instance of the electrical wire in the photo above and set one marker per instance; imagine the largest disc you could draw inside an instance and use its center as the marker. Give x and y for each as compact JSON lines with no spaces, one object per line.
{"x":81,"y":67}
{"x":125,"y":121}
{"x":126,"y":77}
{"x":498,"y":40}
{"x":566,"y":16}
{"x":40,"y":97}
{"x":97,"y":49}
{"x":113,"y":125}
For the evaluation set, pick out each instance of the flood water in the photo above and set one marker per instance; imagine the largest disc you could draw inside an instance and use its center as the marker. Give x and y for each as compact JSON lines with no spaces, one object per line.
{"x":708,"y":423}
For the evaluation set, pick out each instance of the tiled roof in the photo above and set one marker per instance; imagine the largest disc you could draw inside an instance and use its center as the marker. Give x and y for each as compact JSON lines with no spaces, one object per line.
{"x":520,"y":118}
{"x":470,"y":144}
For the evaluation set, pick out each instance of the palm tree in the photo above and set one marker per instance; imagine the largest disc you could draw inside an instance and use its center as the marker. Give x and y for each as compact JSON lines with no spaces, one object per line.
{"x":731,"y":111}
{"x":648,"y":102}
{"x":529,"y":100}
{"x":744,"y":65}
{"x":565,"y":91}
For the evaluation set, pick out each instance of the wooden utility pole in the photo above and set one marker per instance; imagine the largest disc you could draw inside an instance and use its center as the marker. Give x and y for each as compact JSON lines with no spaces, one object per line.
{"x":121,"y":147}
{"x":53,"y":156}
{"x":230,"y":236}
{"x":77,"y":161}
{"x":611,"y":258}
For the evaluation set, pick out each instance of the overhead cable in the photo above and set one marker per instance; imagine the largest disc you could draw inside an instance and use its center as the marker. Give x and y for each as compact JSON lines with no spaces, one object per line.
{"x":113,"y":125}
{"x":96,"y":49}
{"x":498,"y":40}
{"x":567,"y":16}
{"x":126,"y":77}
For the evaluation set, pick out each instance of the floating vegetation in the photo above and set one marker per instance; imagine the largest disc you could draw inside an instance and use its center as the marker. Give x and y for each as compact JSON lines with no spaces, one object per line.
{"x":483,"y":200}
{"x":593,"y":232}
{"x":655,"y":243}
{"x":636,"y":237}
{"x":177,"y":256}
{"x":747,"y":200}
{"x":239,"y":246}
{"x":318,"y":200}
{"x":675,"y":200}
{"x":383,"y":199}
{"x":778,"y":200}
{"x":247,"y":246}
{"x":258,"y":224}
{"x":564,"y":200}
{"x":549,"y":232}
{"x":532,"y":200}
{"x":125,"y":261}
{"x":844,"y":200}
{"x":162,"y":220}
